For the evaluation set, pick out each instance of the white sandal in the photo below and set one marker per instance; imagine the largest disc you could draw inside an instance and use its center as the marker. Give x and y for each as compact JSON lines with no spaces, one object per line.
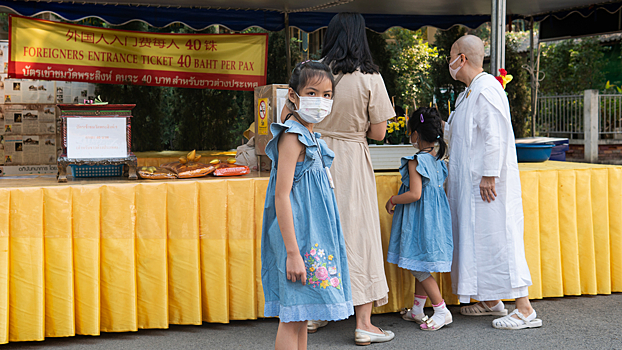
{"x":408,"y":316}
{"x":430,"y":325}
{"x":481,"y":309}
{"x":509,"y":322}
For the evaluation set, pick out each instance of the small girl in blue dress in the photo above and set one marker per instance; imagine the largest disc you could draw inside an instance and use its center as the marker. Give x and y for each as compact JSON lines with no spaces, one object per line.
{"x":421,"y":238}
{"x":304,"y":268}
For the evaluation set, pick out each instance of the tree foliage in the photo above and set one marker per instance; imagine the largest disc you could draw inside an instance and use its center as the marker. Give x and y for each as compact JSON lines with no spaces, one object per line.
{"x":411,"y":60}
{"x":519,"y":89}
{"x":572,"y":66}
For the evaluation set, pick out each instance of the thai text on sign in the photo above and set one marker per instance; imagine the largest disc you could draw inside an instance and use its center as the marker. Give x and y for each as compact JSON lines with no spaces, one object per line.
{"x":40,"y":49}
{"x":96,"y":138}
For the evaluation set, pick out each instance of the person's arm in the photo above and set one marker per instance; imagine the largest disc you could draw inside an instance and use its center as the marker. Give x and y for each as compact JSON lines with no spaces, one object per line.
{"x":490,"y":121}
{"x":289,"y":150}
{"x":414,"y":192}
{"x":377,"y":131}
{"x":379,"y":108}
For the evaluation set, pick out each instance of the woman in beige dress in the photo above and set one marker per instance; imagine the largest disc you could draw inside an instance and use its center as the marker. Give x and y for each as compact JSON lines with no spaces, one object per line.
{"x":361,"y":108}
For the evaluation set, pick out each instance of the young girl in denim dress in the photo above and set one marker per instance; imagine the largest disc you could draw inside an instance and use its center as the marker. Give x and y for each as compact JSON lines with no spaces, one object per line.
{"x":421,"y":237}
{"x":304,"y":268}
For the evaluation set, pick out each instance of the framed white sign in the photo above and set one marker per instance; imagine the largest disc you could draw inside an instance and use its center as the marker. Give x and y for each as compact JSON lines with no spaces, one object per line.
{"x":96,"y":138}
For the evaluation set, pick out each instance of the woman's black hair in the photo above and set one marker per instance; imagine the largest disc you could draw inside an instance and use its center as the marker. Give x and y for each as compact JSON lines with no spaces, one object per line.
{"x":430,"y":130}
{"x":345,"y":45}
{"x":306,"y":73}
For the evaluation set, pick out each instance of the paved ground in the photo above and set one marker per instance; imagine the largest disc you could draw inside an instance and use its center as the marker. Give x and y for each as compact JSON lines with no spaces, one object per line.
{"x":569,"y":323}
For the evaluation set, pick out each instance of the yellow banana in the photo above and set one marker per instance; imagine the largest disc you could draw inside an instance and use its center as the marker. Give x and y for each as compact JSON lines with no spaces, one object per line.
{"x":191,"y":155}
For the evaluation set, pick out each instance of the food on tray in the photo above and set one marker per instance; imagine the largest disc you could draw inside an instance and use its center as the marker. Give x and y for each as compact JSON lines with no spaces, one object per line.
{"x":155,"y":173}
{"x":231,"y":170}
{"x":188,"y":169}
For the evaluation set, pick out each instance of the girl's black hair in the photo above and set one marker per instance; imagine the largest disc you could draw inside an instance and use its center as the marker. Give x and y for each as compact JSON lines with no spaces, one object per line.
{"x":345,"y":45}
{"x":430,"y":130}
{"x":306,"y":72}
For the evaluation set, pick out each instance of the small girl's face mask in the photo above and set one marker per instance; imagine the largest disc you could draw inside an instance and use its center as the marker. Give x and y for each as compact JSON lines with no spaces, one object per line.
{"x":315,"y":101}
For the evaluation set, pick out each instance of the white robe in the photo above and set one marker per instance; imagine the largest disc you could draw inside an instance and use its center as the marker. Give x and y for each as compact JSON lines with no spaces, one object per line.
{"x":489,"y":255}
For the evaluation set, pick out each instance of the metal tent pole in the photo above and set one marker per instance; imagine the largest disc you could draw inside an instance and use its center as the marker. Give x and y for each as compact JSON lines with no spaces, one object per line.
{"x":305,"y":46}
{"x":288,"y":53}
{"x":497,"y":39}
{"x":533,"y":80}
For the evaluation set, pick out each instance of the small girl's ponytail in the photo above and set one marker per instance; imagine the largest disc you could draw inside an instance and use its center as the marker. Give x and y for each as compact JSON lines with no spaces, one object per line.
{"x":442,"y":146}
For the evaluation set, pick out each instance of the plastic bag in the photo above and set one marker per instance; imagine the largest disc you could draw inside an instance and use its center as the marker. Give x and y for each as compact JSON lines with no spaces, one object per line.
{"x":155,"y":173}
{"x":245,"y":155}
{"x":188,"y":170}
{"x":231,"y":170}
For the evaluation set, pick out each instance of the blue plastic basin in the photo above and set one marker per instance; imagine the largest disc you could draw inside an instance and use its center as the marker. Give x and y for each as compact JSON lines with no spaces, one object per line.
{"x":533,"y":152}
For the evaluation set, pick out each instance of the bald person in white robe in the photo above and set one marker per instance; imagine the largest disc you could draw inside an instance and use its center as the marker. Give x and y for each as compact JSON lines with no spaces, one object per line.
{"x":484,"y":194}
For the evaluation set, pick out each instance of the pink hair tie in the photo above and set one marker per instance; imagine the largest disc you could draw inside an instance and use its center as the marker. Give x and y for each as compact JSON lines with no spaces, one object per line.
{"x":421,"y":115}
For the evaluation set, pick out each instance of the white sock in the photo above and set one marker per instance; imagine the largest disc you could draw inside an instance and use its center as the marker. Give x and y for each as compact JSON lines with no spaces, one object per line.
{"x":418,"y":305}
{"x":498,"y":307}
{"x":439,"y":313}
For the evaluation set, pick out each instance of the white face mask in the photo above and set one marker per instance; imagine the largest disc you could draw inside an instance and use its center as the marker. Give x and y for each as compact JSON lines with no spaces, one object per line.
{"x":452,"y":71}
{"x":415,"y":145}
{"x":314,"y":109}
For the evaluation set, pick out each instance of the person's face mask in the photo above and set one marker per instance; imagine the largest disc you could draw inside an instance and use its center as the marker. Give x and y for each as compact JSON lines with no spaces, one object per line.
{"x":415,"y":141}
{"x":313,"y":109}
{"x":453,"y":71}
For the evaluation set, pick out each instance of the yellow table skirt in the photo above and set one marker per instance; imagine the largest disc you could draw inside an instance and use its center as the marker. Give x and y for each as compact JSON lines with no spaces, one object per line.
{"x":118,"y":256}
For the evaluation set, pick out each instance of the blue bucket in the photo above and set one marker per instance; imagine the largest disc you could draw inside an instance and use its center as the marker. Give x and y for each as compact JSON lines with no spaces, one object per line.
{"x":533,"y":152}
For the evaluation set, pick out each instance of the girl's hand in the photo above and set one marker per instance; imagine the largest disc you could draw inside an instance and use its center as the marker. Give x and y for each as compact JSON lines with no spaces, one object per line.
{"x":296,"y":270}
{"x":390,"y":207}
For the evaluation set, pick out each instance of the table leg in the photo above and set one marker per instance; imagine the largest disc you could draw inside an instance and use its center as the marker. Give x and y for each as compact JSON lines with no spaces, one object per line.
{"x":132,"y":171}
{"x":62,"y":173}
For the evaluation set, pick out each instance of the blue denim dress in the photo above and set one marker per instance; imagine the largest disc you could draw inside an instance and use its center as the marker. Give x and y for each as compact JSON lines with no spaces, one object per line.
{"x":421,"y":238}
{"x":327,"y":295}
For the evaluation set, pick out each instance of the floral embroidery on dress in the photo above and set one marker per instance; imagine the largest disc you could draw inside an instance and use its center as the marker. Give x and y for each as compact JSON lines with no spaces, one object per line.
{"x":321,"y":269}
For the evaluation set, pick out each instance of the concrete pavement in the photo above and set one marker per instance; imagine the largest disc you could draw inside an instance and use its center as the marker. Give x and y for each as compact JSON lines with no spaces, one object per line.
{"x":587,"y":322}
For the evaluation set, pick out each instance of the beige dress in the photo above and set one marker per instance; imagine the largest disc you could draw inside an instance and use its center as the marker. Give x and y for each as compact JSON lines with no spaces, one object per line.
{"x":360,"y":100}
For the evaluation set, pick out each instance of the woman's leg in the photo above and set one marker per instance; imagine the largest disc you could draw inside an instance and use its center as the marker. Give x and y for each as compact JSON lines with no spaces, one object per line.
{"x":289,"y":336}
{"x":363,"y":318}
